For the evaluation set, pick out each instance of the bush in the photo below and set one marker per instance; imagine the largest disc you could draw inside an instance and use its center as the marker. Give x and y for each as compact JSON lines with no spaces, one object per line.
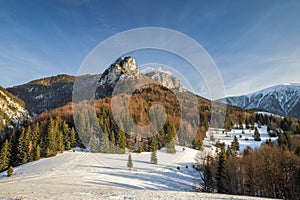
{"x":10,"y":171}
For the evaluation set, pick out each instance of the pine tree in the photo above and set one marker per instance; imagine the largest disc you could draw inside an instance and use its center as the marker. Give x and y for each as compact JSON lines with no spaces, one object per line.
{"x":13,"y":144}
{"x":21,"y":149}
{"x":230,"y":152}
{"x":30,"y":151}
{"x":35,"y":135}
{"x":51,"y":139}
{"x":66,"y":138}
{"x":105,"y":145}
{"x":197,"y":142}
{"x":154,"y":145}
{"x":235,"y":145}
{"x":27,"y":144}
{"x":94,"y":144}
{"x":121,"y":140}
{"x":256,"y":135}
{"x":73,"y":137}
{"x":208,"y":175}
{"x":220,"y":174}
{"x":60,"y":142}
{"x":112,"y":142}
{"x":171,"y":138}
{"x":37,"y":154}
{"x":4,"y":156}
{"x":162,"y":138}
{"x":153,"y":159}
{"x":129,"y":162}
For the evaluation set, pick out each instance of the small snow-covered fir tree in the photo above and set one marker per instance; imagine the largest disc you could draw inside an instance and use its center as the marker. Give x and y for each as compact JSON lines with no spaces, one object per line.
{"x":129,"y":162}
{"x":153,"y":157}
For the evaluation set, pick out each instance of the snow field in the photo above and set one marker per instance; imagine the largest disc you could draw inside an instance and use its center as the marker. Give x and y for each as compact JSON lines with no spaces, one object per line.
{"x":227,"y":138}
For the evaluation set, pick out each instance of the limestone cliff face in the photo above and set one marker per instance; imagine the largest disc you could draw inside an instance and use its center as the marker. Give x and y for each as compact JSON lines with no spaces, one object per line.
{"x":12,"y":109}
{"x":166,"y":79}
{"x":122,"y":69}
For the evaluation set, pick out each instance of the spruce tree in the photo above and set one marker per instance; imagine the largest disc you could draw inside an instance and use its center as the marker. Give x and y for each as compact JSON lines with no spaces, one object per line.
{"x":121,"y":140}
{"x":171,"y":138}
{"x":162,"y":138}
{"x":235,"y":145}
{"x":94,"y":144}
{"x":51,"y":139}
{"x":35,"y":135}
{"x":153,"y":157}
{"x":154,"y":145}
{"x":37,"y":154}
{"x":60,"y":141}
{"x":4,"y":156}
{"x":221,"y":174}
{"x":208,"y":175}
{"x":106,"y":147}
{"x":13,"y":144}
{"x":112,"y":142}
{"x":30,"y":151}
{"x":129,"y":162}
{"x":21,"y":149}
{"x":256,"y":135}
{"x":73,"y":137}
{"x":28,"y":146}
{"x":197,"y":142}
{"x":66,"y":138}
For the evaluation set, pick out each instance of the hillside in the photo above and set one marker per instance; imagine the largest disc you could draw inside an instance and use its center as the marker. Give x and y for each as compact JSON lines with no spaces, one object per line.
{"x":283,"y":100}
{"x":11,"y":108}
{"x":48,"y":93}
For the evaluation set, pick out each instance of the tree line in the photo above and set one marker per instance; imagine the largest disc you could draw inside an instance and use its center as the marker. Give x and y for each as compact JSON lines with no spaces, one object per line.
{"x":273,"y":170}
{"x":32,"y":141}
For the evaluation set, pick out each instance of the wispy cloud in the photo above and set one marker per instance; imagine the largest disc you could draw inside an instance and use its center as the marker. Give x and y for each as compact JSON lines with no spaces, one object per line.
{"x":260,"y":71}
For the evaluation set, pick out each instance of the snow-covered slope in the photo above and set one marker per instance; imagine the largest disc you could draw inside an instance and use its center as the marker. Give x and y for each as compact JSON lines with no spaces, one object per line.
{"x":245,"y":137}
{"x":83,"y":175}
{"x":281,"y":100}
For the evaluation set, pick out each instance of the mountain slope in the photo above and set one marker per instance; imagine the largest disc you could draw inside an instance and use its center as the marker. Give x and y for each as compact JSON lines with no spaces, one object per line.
{"x":56,"y":91}
{"x":11,"y":108}
{"x":46,"y":93}
{"x":281,"y":100}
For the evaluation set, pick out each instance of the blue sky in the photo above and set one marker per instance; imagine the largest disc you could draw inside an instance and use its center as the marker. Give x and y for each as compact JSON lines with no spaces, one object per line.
{"x":255,"y":44}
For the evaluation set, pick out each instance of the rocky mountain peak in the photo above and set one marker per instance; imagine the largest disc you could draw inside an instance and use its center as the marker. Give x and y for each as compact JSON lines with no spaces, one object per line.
{"x":122,"y":68}
{"x":166,"y":79}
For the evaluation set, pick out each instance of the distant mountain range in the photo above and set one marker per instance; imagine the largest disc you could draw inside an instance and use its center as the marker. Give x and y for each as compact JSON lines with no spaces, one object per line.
{"x":283,"y":100}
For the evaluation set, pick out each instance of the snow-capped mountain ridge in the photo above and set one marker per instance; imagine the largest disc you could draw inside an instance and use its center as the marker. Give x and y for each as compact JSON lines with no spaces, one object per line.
{"x":282,"y":100}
